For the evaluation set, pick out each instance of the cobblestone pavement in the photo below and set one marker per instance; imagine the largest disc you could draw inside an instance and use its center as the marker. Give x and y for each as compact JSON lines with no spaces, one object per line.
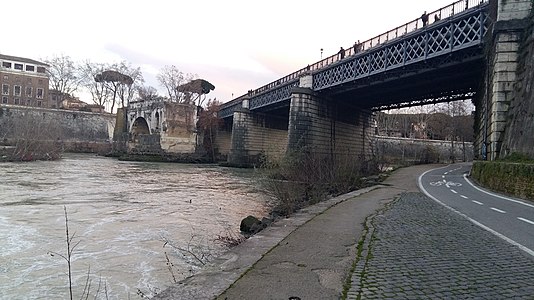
{"x":418,"y":249}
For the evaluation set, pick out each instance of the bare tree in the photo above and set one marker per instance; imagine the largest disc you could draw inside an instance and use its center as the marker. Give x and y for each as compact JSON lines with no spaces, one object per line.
{"x":170,"y":78}
{"x":209,"y":123}
{"x":100,"y":94}
{"x":119,"y":84}
{"x":64,"y":75}
{"x":127,"y":89}
{"x":148,"y":93}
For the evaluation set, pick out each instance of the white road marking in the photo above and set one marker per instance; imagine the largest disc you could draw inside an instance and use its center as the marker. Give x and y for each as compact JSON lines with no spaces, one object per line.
{"x":479,"y":203}
{"x":496,"y":195}
{"x":454,"y":191}
{"x":500,"y":235}
{"x":498,"y":210}
{"x":465,"y":197}
{"x":526,"y":220}
{"x":442,"y":176}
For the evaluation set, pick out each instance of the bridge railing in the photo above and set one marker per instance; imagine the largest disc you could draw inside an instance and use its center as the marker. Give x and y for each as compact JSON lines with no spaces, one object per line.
{"x":442,"y":13}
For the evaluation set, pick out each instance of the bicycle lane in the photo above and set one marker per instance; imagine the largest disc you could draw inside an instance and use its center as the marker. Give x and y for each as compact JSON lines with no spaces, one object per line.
{"x":508,"y":218}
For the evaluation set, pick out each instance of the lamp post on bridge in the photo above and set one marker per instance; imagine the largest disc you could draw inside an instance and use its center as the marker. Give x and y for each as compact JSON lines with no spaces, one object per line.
{"x":321,"y":53}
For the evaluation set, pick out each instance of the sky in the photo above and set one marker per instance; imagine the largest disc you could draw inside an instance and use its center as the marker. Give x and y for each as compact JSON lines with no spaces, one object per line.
{"x":236,"y":45}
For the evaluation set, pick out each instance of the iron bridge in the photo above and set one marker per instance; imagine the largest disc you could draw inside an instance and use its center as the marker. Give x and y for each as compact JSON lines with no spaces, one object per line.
{"x":409,"y":65}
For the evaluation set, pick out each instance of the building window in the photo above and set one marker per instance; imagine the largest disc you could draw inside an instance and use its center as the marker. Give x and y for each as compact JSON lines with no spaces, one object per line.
{"x":16,"y":90}
{"x":17,"y":101}
{"x":28,"y":91}
{"x":18,"y":67}
{"x":5,"y":89}
{"x":29,"y":102}
{"x":30,"y":68}
{"x":4,"y":99}
{"x":39,"y":103}
{"x":40,"y":93}
{"x":22,"y":102}
{"x":6,"y":64}
{"x":41,"y":70}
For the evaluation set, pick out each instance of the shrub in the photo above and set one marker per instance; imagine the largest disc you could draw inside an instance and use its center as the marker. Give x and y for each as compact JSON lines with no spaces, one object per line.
{"x":301,"y":179}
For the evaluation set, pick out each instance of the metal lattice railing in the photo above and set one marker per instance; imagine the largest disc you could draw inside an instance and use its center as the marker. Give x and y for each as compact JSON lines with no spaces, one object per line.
{"x":457,"y":33}
{"x":451,"y":28}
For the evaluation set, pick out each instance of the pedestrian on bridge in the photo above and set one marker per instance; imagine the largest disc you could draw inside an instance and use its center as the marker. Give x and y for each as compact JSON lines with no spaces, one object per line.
{"x":424,"y":18}
{"x":357,"y":47}
{"x":341,"y":53}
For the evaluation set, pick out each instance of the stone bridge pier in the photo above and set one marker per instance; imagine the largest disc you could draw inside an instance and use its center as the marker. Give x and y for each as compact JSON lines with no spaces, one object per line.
{"x":256,"y":136}
{"x":504,"y":46}
{"x":313,"y":123}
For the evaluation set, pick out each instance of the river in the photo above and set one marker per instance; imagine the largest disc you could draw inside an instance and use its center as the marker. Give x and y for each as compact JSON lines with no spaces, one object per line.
{"x":120,"y":213}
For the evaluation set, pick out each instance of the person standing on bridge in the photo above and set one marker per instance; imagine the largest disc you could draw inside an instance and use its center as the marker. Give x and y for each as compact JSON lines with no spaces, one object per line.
{"x":424,"y":18}
{"x":341,"y":53}
{"x":357,"y":47}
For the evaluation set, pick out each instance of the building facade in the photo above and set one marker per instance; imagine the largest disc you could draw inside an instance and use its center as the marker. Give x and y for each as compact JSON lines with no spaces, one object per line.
{"x":23,"y":81}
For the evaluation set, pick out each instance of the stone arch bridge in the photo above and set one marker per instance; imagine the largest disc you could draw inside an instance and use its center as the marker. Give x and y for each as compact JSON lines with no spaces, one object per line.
{"x":158,"y":127}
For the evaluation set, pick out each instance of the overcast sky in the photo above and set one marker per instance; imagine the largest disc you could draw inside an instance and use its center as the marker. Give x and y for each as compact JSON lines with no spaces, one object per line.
{"x":237,"y":45}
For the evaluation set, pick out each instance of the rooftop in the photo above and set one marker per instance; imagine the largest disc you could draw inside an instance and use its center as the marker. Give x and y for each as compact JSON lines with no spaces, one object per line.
{"x":21,"y":59}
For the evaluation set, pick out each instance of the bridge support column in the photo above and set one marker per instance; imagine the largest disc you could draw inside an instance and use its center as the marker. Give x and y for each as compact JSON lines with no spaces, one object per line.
{"x":502,"y":66}
{"x":326,"y":128}
{"x":256,"y":136}
{"x":238,"y":155}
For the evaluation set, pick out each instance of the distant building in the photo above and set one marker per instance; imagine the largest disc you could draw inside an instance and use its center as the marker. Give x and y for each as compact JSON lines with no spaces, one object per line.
{"x":72,"y":103}
{"x":23,"y":81}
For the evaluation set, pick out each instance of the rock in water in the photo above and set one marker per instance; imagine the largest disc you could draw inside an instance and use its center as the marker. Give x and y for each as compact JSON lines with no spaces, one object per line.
{"x":250,"y":224}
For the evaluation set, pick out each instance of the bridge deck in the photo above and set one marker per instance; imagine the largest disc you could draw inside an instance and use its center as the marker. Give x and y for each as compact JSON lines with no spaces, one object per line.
{"x":447,"y":50}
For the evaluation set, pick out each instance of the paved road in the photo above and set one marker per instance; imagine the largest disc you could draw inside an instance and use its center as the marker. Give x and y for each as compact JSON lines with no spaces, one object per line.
{"x":509,"y":219}
{"x":419,"y":249}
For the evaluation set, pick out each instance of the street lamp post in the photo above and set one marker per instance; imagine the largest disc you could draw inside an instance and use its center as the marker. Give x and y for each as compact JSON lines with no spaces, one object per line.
{"x":321,"y":53}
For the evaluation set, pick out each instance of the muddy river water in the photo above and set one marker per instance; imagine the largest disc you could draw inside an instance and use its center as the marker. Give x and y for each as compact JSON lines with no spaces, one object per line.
{"x":121,"y":214}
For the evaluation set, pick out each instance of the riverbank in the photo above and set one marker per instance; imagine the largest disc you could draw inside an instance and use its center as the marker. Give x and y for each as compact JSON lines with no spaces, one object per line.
{"x":308,"y":255}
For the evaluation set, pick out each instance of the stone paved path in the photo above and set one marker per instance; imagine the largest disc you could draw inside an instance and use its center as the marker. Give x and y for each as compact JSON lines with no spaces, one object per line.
{"x":418,"y":249}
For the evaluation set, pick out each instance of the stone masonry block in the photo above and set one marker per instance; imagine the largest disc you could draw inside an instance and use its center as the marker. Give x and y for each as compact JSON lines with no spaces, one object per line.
{"x":498,"y":127}
{"x":507,"y":47}
{"x":508,"y":37}
{"x":500,"y":96}
{"x":504,"y":77}
{"x":512,"y":10}
{"x":306,"y":81}
{"x":500,"y":107}
{"x":506,"y":57}
{"x":499,"y":116}
{"x":516,"y":15}
{"x":504,"y":66}
{"x":503,"y":87}
{"x":495,"y":136}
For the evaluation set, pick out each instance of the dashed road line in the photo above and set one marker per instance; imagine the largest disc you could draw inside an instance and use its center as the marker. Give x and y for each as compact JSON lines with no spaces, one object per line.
{"x":501,"y":236}
{"x":497,"y":195}
{"x":526,"y":220}
{"x":498,"y":210}
{"x":465,"y":197}
{"x":477,"y":202}
{"x":454,"y":191}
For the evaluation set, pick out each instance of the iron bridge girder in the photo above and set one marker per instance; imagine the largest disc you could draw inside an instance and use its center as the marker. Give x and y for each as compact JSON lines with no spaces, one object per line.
{"x":436,"y":42}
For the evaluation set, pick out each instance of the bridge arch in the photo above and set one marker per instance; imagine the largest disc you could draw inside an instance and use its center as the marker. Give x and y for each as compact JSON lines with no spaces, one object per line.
{"x":140,"y":126}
